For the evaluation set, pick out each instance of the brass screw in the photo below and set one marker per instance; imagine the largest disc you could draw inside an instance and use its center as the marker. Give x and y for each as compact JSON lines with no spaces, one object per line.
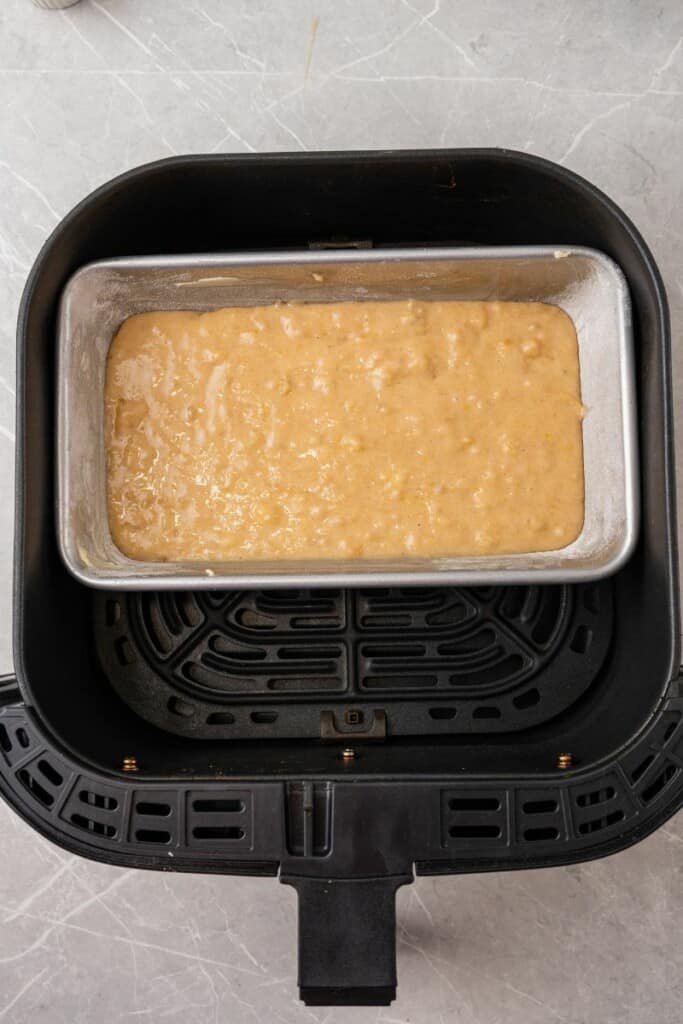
{"x":130,"y":764}
{"x":348,"y":754}
{"x":565,"y":760}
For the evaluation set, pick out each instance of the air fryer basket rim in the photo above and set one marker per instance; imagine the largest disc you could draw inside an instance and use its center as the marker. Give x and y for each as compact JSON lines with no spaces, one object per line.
{"x":599,"y":809}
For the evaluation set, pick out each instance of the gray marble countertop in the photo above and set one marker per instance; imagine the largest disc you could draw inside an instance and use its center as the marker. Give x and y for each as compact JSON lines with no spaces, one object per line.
{"x":108,"y":84}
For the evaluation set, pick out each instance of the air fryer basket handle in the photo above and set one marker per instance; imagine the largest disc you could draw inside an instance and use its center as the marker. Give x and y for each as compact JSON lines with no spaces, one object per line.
{"x":347,"y":939}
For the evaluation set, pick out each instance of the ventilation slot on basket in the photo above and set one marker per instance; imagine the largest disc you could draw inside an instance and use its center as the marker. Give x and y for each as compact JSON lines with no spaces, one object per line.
{"x":474,"y":832}
{"x":233,"y":652}
{"x":224,"y":818}
{"x":218,"y":806}
{"x":98,"y":828}
{"x":549,"y":615}
{"x":241,"y":666}
{"x":251,"y":619}
{"x":189,"y":613}
{"x":658,"y":784}
{"x":587,"y":827}
{"x":5,"y":741}
{"x":310,"y":622}
{"x":475,"y":803}
{"x":50,"y":773}
{"x":112,"y":612}
{"x":263,"y":717}
{"x":153,"y":817}
{"x":218,"y":832}
{"x":451,"y":615}
{"x":500,"y":671}
{"x":581,"y":640}
{"x":535,"y":835}
{"x":35,"y":788}
{"x":442,"y":713}
{"x":160,"y":637}
{"x":669,"y":731}
{"x":309,"y":653}
{"x":470,"y":817}
{"x":540,"y":807}
{"x":484,"y":640}
{"x":302,"y":684}
{"x":486,"y":711}
{"x":124,"y":651}
{"x":150,"y":809}
{"x":598,"y":796}
{"x":396,"y":650}
{"x":399,"y":682}
{"x":180,"y":707}
{"x":152,"y":835}
{"x":220,"y":718}
{"x":100,"y":800}
{"x":385,"y":621}
{"x":22,"y":738}
{"x":665,"y":728}
{"x":285,"y":611}
{"x":526,"y":699}
{"x":538,"y":816}
{"x":168,"y":618}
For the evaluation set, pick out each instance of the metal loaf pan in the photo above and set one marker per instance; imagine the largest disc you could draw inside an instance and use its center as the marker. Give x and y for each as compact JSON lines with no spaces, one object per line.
{"x":585,"y":283}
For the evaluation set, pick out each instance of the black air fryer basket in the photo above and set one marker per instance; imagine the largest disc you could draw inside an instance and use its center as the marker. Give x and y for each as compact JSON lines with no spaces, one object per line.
{"x":344,"y":740}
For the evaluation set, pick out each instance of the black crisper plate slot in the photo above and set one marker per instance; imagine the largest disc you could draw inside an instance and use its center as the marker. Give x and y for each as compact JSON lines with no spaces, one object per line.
{"x":439,"y":660}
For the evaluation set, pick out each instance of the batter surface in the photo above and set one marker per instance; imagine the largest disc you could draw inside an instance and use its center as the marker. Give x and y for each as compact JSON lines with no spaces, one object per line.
{"x":344,"y":430}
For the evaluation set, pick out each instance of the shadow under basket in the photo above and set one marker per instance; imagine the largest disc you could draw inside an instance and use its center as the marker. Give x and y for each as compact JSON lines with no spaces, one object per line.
{"x":343,"y":739}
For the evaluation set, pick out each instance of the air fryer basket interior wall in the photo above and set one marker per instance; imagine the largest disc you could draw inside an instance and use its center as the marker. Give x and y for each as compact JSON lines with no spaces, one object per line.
{"x":463,"y":793}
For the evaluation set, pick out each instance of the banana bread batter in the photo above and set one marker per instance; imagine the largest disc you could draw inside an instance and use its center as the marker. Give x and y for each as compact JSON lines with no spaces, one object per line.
{"x":344,"y":430}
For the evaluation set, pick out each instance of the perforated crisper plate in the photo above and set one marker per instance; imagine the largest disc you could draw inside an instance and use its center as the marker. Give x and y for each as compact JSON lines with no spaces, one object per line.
{"x":289,"y":663}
